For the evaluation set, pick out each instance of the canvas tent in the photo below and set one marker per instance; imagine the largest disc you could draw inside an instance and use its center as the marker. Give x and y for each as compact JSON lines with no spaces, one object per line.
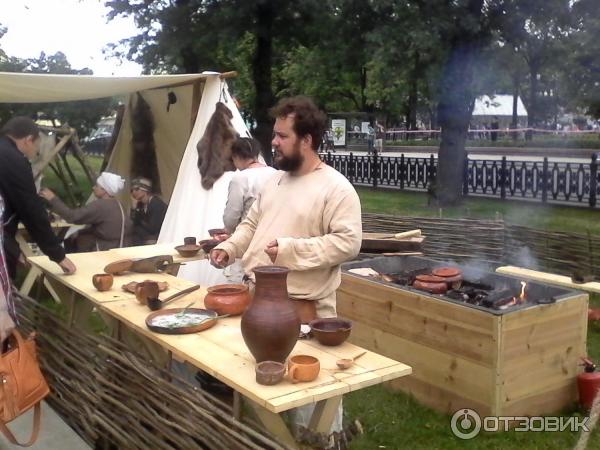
{"x":501,"y":106}
{"x":178,"y":128}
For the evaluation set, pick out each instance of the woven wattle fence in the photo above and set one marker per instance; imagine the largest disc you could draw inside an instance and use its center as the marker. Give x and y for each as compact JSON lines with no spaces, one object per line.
{"x":496,"y":243}
{"x":114,"y":398}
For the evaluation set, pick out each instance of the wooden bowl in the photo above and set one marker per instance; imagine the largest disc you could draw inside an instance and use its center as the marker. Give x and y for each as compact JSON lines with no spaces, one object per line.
{"x":188,"y":251}
{"x":331,"y":331}
{"x":102,"y":281}
{"x":232,"y":299}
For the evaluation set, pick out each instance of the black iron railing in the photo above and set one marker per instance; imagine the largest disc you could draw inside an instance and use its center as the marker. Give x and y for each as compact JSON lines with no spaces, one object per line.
{"x":545,"y":181}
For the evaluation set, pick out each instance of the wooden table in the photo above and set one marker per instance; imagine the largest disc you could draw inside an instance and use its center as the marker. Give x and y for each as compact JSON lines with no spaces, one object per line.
{"x":221,"y":351}
{"x":550,"y":278}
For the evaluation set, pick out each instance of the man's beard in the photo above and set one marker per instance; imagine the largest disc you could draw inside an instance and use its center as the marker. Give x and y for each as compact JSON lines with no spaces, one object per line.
{"x":289,"y":163}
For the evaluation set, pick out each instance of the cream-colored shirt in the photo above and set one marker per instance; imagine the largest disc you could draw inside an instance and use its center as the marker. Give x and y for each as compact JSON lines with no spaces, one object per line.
{"x":316,"y":220}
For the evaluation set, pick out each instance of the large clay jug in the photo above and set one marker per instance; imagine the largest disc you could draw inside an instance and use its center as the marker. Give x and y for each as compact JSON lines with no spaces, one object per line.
{"x":270,"y":326}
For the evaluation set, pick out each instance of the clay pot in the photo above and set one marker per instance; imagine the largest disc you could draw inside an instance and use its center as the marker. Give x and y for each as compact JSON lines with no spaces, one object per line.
{"x":269,"y":372}
{"x":102,"y":281}
{"x":303,"y":368}
{"x":188,"y":250}
{"x":145,"y":290}
{"x":220,"y":234}
{"x":331,"y":331}
{"x":232,"y":299}
{"x":432,"y":287}
{"x":451,"y":275}
{"x":190,"y":240}
{"x":270,"y":326}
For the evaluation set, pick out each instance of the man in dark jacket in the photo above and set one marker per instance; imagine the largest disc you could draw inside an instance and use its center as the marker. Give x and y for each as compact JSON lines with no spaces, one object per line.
{"x":148,"y":212}
{"x":19,"y":142}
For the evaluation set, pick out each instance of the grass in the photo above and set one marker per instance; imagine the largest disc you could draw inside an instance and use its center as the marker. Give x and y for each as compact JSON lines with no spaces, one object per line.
{"x":394,"y":420}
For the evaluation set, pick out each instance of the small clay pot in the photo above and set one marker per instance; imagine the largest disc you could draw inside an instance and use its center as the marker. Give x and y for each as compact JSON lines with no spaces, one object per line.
{"x":190,"y":240}
{"x":432,"y":287}
{"x":303,"y":368}
{"x":188,"y":250}
{"x":208,"y":244}
{"x":102,"y":281}
{"x":269,"y":372}
{"x":232,"y":299}
{"x":145,"y":290}
{"x":331,"y":331}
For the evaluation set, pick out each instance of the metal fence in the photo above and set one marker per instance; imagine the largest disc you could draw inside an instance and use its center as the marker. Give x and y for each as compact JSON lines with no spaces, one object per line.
{"x":543,"y":181}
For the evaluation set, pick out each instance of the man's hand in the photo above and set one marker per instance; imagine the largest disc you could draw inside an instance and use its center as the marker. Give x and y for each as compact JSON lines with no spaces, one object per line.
{"x":219,"y":258}
{"x":272,"y":249}
{"x":67,"y":266}
{"x":47,"y":194}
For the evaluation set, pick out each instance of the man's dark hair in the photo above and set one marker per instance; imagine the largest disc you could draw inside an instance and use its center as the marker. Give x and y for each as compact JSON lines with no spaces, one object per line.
{"x":308,"y":119}
{"x":245,"y":148}
{"x":20,"y":127}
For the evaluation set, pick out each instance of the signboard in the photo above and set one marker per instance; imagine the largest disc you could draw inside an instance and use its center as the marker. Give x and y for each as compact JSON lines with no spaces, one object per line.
{"x":364,"y":127}
{"x":338,"y":126}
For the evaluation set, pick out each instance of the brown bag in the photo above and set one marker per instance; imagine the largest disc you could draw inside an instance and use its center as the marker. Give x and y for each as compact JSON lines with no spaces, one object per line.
{"x":22,"y":385}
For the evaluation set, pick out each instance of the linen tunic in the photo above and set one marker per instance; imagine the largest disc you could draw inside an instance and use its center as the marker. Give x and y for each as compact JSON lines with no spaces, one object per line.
{"x":316,"y":220}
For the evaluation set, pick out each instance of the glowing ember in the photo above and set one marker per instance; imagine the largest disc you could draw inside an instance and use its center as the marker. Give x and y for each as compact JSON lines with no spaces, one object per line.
{"x":517,"y":300}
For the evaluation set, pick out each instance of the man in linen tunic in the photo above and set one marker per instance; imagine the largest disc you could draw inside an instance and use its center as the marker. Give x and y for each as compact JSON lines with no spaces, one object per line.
{"x":306,"y":218}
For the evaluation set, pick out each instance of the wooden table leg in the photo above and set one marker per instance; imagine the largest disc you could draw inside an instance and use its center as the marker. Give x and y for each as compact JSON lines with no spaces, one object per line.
{"x":324,"y":414}
{"x":27,"y":285}
{"x":274,"y":424}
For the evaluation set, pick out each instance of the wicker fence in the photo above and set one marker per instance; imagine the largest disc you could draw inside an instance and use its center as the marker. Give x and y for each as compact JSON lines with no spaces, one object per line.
{"x":545,"y":181}
{"x":496,"y":243}
{"x":115,"y":399}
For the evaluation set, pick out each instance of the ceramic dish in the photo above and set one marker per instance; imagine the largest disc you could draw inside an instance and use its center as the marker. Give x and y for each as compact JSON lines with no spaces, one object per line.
{"x":169,"y":321}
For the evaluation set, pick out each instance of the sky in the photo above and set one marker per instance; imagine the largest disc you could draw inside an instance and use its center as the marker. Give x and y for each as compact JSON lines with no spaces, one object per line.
{"x":78,"y":28}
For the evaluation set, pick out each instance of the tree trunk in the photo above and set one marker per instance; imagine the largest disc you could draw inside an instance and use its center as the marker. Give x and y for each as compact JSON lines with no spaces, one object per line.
{"x":261,"y":72}
{"x":413,"y":95}
{"x":533,"y":87}
{"x":515,"y":112}
{"x":454,"y":114}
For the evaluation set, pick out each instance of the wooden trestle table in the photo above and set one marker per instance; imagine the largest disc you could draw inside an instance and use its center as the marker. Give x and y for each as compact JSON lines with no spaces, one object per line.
{"x":221,"y":351}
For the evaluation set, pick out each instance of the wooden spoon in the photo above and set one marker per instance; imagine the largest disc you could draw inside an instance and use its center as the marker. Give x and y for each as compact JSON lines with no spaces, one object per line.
{"x":346,"y":363}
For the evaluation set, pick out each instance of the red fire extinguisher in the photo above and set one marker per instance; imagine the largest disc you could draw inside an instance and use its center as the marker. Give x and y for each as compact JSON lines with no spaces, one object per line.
{"x":588,"y":383}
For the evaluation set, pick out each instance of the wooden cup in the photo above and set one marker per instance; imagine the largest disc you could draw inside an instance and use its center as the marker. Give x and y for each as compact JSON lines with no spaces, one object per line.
{"x":102,"y":281}
{"x":303,"y":368}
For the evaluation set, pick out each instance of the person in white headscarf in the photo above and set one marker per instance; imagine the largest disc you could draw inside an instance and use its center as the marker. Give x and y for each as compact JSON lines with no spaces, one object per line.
{"x":109,"y":226}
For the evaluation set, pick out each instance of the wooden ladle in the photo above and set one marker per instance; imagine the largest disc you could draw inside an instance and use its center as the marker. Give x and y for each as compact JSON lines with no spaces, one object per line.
{"x":346,"y":363}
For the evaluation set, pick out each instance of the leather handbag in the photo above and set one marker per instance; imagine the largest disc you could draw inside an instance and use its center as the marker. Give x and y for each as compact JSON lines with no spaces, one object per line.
{"x":22,"y":385}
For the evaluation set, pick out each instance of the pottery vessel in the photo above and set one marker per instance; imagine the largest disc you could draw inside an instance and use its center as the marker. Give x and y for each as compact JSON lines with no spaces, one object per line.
{"x":102,"y":281}
{"x":188,"y":250}
{"x":232,"y":299}
{"x":303,"y":368}
{"x":190,"y":240}
{"x":208,"y":244}
{"x":145,"y":290}
{"x":331,"y":331}
{"x":269,"y":372}
{"x":270,"y":326}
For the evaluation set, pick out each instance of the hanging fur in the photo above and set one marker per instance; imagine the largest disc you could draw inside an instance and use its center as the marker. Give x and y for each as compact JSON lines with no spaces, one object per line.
{"x":143,"y":157}
{"x":214,"y":149}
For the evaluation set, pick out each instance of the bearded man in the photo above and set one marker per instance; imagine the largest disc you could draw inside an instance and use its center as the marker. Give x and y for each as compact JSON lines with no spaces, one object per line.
{"x":307,"y":217}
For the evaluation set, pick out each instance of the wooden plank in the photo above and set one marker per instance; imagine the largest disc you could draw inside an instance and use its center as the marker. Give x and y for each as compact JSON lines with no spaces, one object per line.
{"x":324,"y":414}
{"x":430,"y":365}
{"x":559,"y":280}
{"x":553,"y":400}
{"x":274,"y":424}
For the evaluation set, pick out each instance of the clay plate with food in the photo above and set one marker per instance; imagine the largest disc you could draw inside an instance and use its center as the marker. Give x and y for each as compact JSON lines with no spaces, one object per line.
{"x":172,"y":321}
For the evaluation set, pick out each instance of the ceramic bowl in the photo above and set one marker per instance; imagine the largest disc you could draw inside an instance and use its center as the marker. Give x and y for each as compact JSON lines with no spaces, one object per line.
{"x":269,"y":372}
{"x":232,"y":299}
{"x":102,"y":281}
{"x":331,"y":331}
{"x":208,"y":244}
{"x":219,"y":234}
{"x":188,"y":251}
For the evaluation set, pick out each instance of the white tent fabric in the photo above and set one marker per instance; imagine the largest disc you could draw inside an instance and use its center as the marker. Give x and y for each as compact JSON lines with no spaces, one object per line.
{"x":192,"y":209}
{"x":498,"y":105}
{"x":41,"y":88}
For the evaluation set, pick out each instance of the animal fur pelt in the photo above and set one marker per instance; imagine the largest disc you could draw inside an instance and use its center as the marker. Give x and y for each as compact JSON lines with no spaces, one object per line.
{"x":143,"y":157}
{"x":214,"y":149}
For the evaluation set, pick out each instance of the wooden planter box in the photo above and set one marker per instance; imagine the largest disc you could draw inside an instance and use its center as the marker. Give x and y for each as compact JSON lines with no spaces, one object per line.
{"x":519,"y":363}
